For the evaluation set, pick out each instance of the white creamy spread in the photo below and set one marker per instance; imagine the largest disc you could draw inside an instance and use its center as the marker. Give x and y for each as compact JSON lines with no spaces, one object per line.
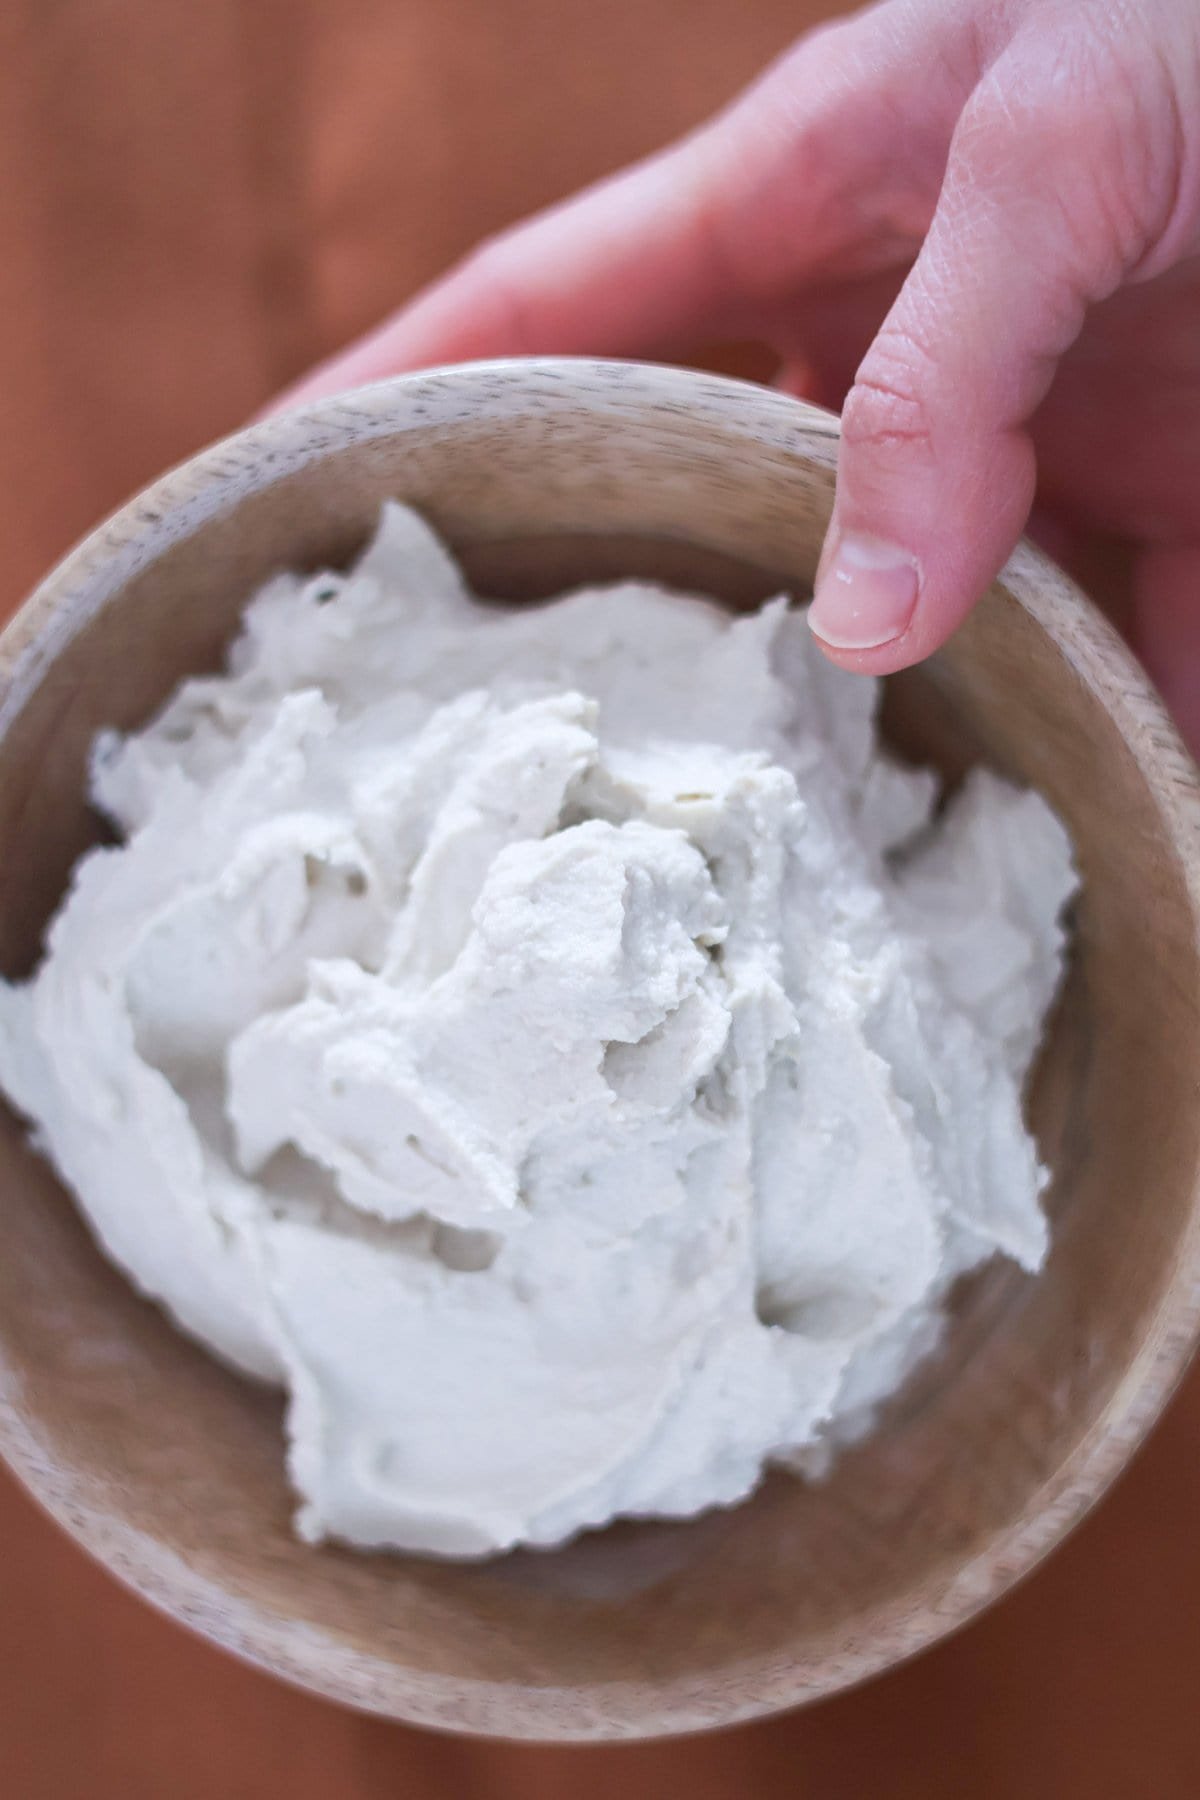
{"x":557,"y":1043}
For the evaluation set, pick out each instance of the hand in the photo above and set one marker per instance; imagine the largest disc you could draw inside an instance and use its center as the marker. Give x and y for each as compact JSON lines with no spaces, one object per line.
{"x":977,"y":222}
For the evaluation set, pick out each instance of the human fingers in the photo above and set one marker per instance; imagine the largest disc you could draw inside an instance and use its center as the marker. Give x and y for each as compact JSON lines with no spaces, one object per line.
{"x":1057,"y":189}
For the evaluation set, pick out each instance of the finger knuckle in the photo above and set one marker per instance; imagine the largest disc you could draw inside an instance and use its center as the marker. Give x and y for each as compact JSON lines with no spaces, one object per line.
{"x":1087,"y":126}
{"x":489,"y":272}
{"x":885,"y":408}
{"x":815,"y":92}
{"x":816,"y":51}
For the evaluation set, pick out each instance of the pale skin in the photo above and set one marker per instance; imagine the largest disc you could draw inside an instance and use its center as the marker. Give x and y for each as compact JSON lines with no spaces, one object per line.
{"x":972,"y":224}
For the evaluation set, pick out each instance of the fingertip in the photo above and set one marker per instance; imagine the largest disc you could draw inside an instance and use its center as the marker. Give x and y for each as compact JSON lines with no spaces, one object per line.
{"x":875,"y":610}
{"x":881,"y":659}
{"x":866,"y":593}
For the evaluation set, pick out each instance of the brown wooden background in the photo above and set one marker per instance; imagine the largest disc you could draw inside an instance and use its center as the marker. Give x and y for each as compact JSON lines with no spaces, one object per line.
{"x":198,"y":197}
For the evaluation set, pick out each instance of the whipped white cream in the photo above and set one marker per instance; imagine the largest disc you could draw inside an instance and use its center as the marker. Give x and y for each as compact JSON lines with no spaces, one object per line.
{"x":556,"y":1043}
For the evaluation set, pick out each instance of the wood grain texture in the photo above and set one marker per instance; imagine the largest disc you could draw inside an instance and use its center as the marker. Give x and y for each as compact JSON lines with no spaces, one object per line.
{"x":170,"y":1469}
{"x":194,"y":202}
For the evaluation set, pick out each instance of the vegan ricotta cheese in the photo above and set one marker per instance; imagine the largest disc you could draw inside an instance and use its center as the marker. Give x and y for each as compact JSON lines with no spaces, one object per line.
{"x":558,"y":1044}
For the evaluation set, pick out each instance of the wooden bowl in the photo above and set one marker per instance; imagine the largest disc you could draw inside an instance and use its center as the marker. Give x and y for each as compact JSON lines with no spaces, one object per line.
{"x":170,"y":1470}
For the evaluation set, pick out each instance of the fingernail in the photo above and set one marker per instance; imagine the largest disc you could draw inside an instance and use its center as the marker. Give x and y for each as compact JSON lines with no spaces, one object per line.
{"x":866,"y":594}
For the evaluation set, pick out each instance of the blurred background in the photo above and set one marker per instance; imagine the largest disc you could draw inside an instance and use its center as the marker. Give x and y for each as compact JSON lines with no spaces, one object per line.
{"x":196,"y":202}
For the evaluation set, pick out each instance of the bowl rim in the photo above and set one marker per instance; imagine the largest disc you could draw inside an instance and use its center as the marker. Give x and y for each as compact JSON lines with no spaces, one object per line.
{"x":263,"y":453}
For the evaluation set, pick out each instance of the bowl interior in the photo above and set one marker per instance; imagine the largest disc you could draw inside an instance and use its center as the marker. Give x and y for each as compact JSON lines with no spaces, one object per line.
{"x":171,"y":1470}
